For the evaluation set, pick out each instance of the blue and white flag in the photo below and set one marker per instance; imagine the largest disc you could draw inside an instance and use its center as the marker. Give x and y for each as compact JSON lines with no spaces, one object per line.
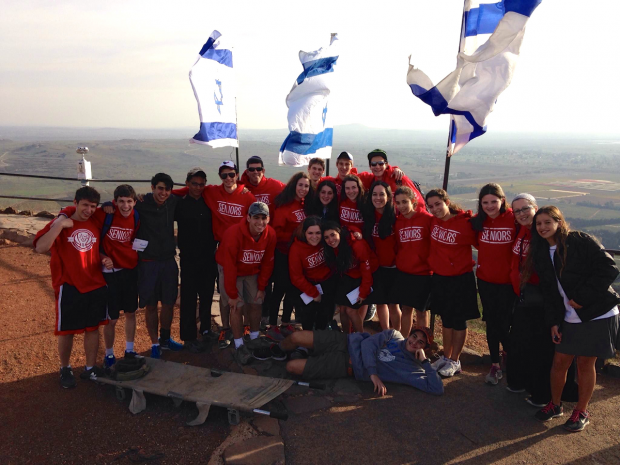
{"x":309,"y":124}
{"x":213,"y":83}
{"x":491,"y":36}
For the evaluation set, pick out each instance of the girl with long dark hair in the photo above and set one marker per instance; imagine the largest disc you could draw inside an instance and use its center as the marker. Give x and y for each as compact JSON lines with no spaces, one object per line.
{"x":581,"y":307}
{"x":325,"y":202}
{"x":354,"y":263}
{"x":351,"y":202}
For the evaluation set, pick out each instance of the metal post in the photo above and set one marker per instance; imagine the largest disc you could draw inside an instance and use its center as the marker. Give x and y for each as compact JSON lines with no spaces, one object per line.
{"x":327,"y":167}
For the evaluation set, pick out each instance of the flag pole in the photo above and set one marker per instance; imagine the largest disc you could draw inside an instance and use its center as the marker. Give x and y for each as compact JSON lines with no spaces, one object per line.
{"x":446,"y":171}
{"x":237,"y":126}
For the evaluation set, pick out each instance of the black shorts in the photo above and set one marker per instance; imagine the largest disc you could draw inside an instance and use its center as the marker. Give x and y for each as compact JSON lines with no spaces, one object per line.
{"x":122,"y":292}
{"x":345,"y":285}
{"x":383,"y":286}
{"x":158,"y":281}
{"x":412,"y":290}
{"x":77,"y":312}
{"x":330,"y":356}
{"x":455,"y":297}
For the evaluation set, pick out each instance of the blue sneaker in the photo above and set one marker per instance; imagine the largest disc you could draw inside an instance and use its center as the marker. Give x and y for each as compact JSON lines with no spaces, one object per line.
{"x":155,"y":352}
{"x":170,"y":344}
{"x":109,"y":360}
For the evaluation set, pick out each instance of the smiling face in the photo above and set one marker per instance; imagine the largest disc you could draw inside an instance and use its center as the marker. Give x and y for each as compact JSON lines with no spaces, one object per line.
{"x":255,"y":172}
{"x":403,"y":204}
{"x":351,"y":190}
{"x":417,"y":340}
{"x":344,"y":167}
{"x":84,"y":209}
{"x":332,"y":238}
{"x":196,"y":185}
{"x":228,"y":181}
{"x":326,"y":195}
{"x":301,"y":188}
{"x":313,"y":235}
{"x":379,"y":166}
{"x":547,"y":227}
{"x":437,"y":207}
{"x":379,"y":197}
{"x":125,"y":205}
{"x":524,"y":212}
{"x":315,"y":172}
{"x":160,"y":193}
{"x":257,"y":224}
{"x":491,"y":205}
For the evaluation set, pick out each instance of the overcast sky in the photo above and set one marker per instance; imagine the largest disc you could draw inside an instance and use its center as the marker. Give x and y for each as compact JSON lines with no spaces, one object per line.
{"x":125,"y":63}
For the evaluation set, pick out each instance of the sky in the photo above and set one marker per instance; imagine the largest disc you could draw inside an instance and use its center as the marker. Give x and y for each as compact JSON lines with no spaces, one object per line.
{"x":125,"y":64}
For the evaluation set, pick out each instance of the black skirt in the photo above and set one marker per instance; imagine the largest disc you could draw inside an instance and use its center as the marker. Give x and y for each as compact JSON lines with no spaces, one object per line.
{"x":383,"y":286}
{"x":412,"y":290}
{"x":455,"y":296}
{"x":595,"y":338}
{"x":345,"y":285}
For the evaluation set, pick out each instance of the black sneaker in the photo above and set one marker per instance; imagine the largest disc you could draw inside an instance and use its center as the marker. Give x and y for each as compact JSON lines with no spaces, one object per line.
{"x":577,"y":421}
{"x":67,"y":380}
{"x":92,"y":374}
{"x":277,"y":353}
{"x":549,"y":411}
{"x":195,"y":346}
{"x":262,"y":353}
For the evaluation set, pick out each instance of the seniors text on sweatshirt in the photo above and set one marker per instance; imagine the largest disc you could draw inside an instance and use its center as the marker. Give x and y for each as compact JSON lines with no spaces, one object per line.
{"x":519,"y":254}
{"x":413,"y":242}
{"x":287,"y":218}
{"x":495,"y":248}
{"x":266,"y":191}
{"x":240,"y":254}
{"x":451,"y":243}
{"x":366,"y":263}
{"x":350,"y":215}
{"x":307,"y":263}
{"x":384,"y":354}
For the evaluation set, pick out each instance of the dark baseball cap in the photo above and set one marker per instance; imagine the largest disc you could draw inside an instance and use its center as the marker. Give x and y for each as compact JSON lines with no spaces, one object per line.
{"x":196,"y":171}
{"x":377,"y":153}
{"x":258,"y":208}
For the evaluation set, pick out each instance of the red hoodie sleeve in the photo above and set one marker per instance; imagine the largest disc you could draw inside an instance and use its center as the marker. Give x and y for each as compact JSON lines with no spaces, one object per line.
{"x":266,"y":267}
{"x":98,"y":217}
{"x":366,"y":178}
{"x":230,"y":247}
{"x":180,"y":192}
{"x":363,"y":256}
{"x":279,"y":223}
{"x":296,"y":272}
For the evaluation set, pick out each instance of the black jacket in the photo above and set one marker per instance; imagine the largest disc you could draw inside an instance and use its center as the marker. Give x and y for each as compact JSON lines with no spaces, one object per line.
{"x":157,"y":227}
{"x":586,"y":278}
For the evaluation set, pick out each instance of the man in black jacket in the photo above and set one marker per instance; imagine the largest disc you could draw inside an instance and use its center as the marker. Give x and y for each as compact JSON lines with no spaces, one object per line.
{"x":198,"y":268}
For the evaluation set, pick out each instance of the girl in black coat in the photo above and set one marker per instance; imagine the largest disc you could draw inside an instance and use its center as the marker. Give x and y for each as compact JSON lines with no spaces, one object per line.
{"x":580,"y":306}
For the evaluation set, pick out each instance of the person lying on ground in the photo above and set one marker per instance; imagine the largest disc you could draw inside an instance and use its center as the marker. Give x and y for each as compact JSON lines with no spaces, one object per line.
{"x":385,"y":356}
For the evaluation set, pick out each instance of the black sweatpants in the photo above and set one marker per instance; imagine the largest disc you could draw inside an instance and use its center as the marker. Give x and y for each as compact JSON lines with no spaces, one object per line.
{"x":198,"y":276}
{"x":282,"y":288}
{"x":497,"y":305}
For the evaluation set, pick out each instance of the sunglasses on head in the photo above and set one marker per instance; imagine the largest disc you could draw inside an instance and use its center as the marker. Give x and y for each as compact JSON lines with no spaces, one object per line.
{"x":227,"y":175}
{"x":259,"y":169}
{"x":377,"y":163}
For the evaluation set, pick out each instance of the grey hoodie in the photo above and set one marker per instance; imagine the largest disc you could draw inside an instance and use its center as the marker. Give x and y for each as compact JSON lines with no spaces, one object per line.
{"x":384,"y":354}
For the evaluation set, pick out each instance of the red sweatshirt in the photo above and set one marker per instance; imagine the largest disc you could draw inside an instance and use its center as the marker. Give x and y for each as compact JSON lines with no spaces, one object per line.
{"x":495,"y":248}
{"x":368,"y":178}
{"x":266,"y":191}
{"x":451,"y":243}
{"x":384,"y":248}
{"x":366,"y":263}
{"x":286,"y":219}
{"x":240,"y":255}
{"x":307,"y":262}
{"x":350,"y":214}
{"x":413,"y":243}
{"x":519,"y":254}
{"x":118,"y":242}
{"x":336,"y":180}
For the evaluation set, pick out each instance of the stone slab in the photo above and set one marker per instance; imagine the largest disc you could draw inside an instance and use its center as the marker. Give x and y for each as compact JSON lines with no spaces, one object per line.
{"x":306,"y":404}
{"x":267,"y":425}
{"x":261,"y":450}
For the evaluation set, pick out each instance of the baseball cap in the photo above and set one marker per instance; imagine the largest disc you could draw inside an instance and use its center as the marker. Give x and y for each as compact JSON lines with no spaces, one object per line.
{"x":254,"y":159}
{"x":228,"y":164}
{"x":377,"y":153}
{"x":427,"y":333}
{"x":345,"y":156}
{"x":196,"y":171}
{"x":258,"y":208}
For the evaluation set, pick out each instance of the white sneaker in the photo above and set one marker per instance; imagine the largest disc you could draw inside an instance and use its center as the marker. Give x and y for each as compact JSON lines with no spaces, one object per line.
{"x":439,"y":363}
{"x":450,"y":369}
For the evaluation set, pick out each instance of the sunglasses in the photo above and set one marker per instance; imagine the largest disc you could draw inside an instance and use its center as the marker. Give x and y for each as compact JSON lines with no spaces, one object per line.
{"x":227,"y":175}
{"x":259,"y":169}
{"x":377,"y":163}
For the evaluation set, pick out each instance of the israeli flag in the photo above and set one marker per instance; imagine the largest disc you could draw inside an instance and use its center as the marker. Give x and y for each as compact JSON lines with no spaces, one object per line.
{"x":491,"y":36}
{"x":213,"y":83}
{"x":311,"y":132}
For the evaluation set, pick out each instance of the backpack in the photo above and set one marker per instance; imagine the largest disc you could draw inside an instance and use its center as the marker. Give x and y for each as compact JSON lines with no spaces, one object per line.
{"x":127,"y":369}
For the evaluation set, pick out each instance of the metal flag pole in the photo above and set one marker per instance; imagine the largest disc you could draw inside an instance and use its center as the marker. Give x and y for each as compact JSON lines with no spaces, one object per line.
{"x":237,"y":126}
{"x":446,"y":171}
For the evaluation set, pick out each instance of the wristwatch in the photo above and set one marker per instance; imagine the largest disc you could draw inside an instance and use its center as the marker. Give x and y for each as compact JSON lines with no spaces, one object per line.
{"x":426,"y":360}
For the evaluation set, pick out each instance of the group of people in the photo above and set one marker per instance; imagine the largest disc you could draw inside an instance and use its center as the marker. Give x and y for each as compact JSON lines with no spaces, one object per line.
{"x":320,"y":245}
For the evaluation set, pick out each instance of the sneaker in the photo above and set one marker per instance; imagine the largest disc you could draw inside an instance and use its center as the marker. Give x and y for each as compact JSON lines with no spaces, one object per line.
{"x":131,"y":354}
{"x":450,"y":369}
{"x":264,"y":322}
{"x":515,"y":390}
{"x":242,"y":355}
{"x":577,"y":421}
{"x":109,"y":360}
{"x":195,"y":346}
{"x":287,"y":330}
{"x":256,"y":343}
{"x":170,"y":344}
{"x":277,"y":353}
{"x":494,"y":376}
{"x":273,"y":351}
{"x":208,"y":339}
{"x":549,"y":411}
{"x":67,"y":380}
{"x":371,"y":312}
{"x":298,"y":354}
{"x":155,"y":352}
{"x":533,"y":403}
{"x":439,"y":363}
{"x":225,"y":338}
{"x":92,"y":374}
{"x":275,"y":334}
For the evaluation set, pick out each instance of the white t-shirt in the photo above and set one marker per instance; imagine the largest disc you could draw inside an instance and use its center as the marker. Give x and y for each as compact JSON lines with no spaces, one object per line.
{"x":570,"y":315}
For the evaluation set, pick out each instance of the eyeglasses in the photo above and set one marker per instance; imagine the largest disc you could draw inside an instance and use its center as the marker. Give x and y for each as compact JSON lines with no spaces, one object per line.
{"x":227,"y":175}
{"x":377,"y":163}
{"x":198,"y":184}
{"x":523,"y":211}
{"x":259,"y":169}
